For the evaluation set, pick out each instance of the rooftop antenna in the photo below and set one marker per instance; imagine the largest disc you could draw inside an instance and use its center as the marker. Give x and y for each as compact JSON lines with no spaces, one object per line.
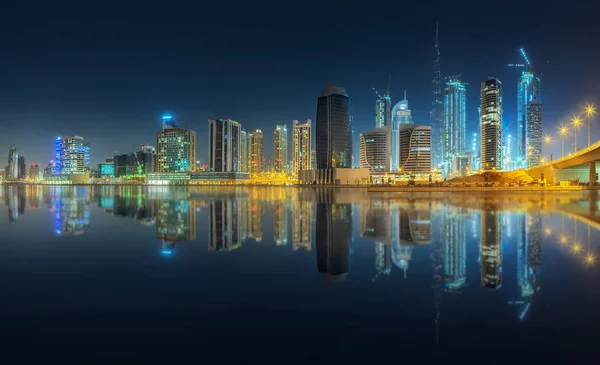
{"x":404,"y":94}
{"x":436,"y":34}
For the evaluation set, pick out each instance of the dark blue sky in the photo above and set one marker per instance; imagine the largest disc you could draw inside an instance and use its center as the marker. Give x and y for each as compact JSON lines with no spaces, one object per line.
{"x":108,"y":73}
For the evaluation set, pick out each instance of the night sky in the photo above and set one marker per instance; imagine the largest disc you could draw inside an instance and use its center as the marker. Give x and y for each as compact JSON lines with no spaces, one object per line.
{"x":108,"y":73}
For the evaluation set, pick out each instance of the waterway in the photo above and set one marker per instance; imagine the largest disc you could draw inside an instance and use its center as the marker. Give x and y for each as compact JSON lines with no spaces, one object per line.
{"x":227,"y":275}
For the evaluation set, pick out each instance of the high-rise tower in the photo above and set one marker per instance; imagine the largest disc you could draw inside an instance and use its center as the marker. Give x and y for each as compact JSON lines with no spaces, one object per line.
{"x":334,"y":129}
{"x":175,"y":147}
{"x":491,"y":124}
{"x":13,"y":164}
{"x":528,"y":89}
{"x":224,"y":145}
{"x":280,"y":149}
{"x":243,"y":150}
{"x":72,"y":155}
{"x":383,"y":111}
{"x":534,"y":132}
{"x":435,"y":115}
{"x":255,"y":151}
{"x":301,"y":147}
{"x":455,"y":124}
{"x":400,"y":115}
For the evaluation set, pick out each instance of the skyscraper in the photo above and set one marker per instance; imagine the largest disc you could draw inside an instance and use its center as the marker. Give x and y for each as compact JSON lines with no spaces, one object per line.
{"x":334,"y":129}
{"x":383,"y":111}
{"x":12,"y":171}
{"x":175,"y":147}
{"x":33,"y":174}
{"x":374,"y":147}
{"x":224,"y":145}
{"x":528,"y":89}
{"x":145,"y":159}
{"x":301,"y":147}
{"x":71,"y":155}
{"x":491,"y":125}
{"x":243,"y":150}
{"x":400,"y":115}
{"x":455,"y":124}
{"x":436,"y":106}
{"x":255,"y":151}
{"x":280,"y":149}
{"x":534,"y":132}
{"x":22,"y":173}
{"x":415,"y":149}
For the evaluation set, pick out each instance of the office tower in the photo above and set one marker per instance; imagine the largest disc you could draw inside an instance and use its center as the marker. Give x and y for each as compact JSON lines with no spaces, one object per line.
{"x":255,"y":151}
{"x":475,"y":152}
{"x":455,"y":125}
{"x":33,"y":174}
{"x":534,"y":132}
{"x":71,"y":155}
{"x":175,"y":147}
{"x":280,"y":221}
{"x":124,"y":165}
{"x":224,"y":145}
{"x":491,"y":125}
{"x":400,"y":115}
{"x":437,"y":107}
{"x":301,"y":224}
{"x":301,"y":147}
{"x":280,"y":149}
{"x":490,"y":250}
{"x":415,"y":149}
{"x":334,"y":129}
{"x":375,"y":150}
{"x":12,"y":170}
{"x":243,"y":150}
{"x":454,"y":239}
{"x":145,"y":159}
{"x":22,"y":170}
{"x":223,"y":225}
{"x":528,"y":89}
{"x":383,"y":110}
{"x":334,"y":236}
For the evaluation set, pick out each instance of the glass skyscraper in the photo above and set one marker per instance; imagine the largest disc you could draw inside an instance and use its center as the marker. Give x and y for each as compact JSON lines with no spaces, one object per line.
{"x":255,"y":151}
{"x":455,"y":125}
{"x":528,"y":89}
{"x":72,"y":155}
{"x":534,"y":132}
{"x":400,"y":115}
{"x":301,"y":146}
{"x":491,"y":125}
{"x":224,"y":145}
{"x":280,"y":149}
{"x":383,"y":111}
{"x":333,"y":129}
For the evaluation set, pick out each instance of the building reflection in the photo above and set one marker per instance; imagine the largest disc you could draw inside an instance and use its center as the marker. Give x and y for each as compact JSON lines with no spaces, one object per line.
{"x":71,"y":210}
{"x":454,"y":238}
{"x":175,"y":223}
{"x":333,"y":236}
{"x":12,"y":199}
{"x":280,"y":222}
{"x":224,"y":233}
{"x":302,"y":213}
{"x":490,"y":250}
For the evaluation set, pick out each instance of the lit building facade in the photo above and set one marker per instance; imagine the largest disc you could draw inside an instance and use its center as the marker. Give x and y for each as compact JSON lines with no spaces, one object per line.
{"x":243,"y":150}
{"x":491,"y":125}
{"x":374,"y":147}
{"x":12,"y":170}
{"x":437,"y":108}
{"x":333,"y":129}
{"x":224,"y":145}
{"x":33,"y":173}
{"x":415,"y":149}
{"x":280,"y":149}
{"x":400,"y":115}
{"x":72,"y":156}
{"x":175,"y":148}
{"x":255,"y":151}
{"x":455,"y":124}
{"x":534,"y":132}
{"x":528,"y":89}
{"x":301,"y":146}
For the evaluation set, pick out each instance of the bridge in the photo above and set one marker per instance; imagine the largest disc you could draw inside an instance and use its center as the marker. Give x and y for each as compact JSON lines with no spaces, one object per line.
{"x":580,"y":164}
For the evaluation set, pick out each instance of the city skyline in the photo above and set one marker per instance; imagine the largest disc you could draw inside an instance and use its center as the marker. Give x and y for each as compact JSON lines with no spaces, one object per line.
{"x":94,"y":105}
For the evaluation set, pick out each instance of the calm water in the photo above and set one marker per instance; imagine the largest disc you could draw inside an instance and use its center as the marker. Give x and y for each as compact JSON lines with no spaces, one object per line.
{"x":287,"y":275}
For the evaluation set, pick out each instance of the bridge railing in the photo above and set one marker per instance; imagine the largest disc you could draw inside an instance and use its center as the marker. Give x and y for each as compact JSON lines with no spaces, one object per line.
{"x":569,"y":156}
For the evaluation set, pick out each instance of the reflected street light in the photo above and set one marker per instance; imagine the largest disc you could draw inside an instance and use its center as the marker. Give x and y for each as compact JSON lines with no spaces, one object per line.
{"x":590,"y":110}
{"x":576,"y":123}
{"x":563,"y":133}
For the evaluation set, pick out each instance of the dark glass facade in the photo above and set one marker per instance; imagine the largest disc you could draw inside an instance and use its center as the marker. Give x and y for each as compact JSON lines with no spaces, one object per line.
{"x":333,"y":129}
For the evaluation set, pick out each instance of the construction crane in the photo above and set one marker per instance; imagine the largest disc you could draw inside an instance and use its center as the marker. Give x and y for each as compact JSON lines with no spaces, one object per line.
{"x":376,"y":92}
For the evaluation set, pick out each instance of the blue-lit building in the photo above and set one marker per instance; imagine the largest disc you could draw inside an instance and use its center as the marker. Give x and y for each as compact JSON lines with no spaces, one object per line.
{"x":71,"y":156}
{"x":528,"y":89}
{"x":383,"y":111}
{"x":400,"y":115}
{"x":107,"y":168}
{"x":175,"y":147}
{"x":455,"y":127}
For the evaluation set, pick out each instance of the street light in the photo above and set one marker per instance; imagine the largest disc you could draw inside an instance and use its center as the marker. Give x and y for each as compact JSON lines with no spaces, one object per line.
{"x":563,"y":133}
{"x":547,"y":140}
{"x":590,"y":110}
{"x":576,"y":123}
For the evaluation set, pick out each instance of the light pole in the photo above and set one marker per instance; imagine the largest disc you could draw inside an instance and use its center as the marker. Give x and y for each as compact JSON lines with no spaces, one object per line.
{"x":590,"y":110}
{"x":547,"y":140}
{"x":563,"y":133}
{"x":576,"y":123}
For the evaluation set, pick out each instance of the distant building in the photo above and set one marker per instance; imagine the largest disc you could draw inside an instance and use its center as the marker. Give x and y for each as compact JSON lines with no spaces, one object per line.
{"x":243,"y":150}
{"x":175,"y":147}
{"x":280,"y":149}
{"x":491,"y":125}
{"x":415,"y":149}
{"x":333,"y":129}
{"x":383,"y":111}
{"x":400,"y":115}
{"x":33,"y":173}
{"x":534,"y":132}
{"x":22,"y":173}
{"x":301,"y":146}
{"x":374,"y":149}
{"x":255,"y":151}
{"x":107,"y":168}
{"x":455,"y":124}
{"x":145,"y":159}
{"x":71,"y":156}
{"x":12,"y":169}
{"x":224,"y":145}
